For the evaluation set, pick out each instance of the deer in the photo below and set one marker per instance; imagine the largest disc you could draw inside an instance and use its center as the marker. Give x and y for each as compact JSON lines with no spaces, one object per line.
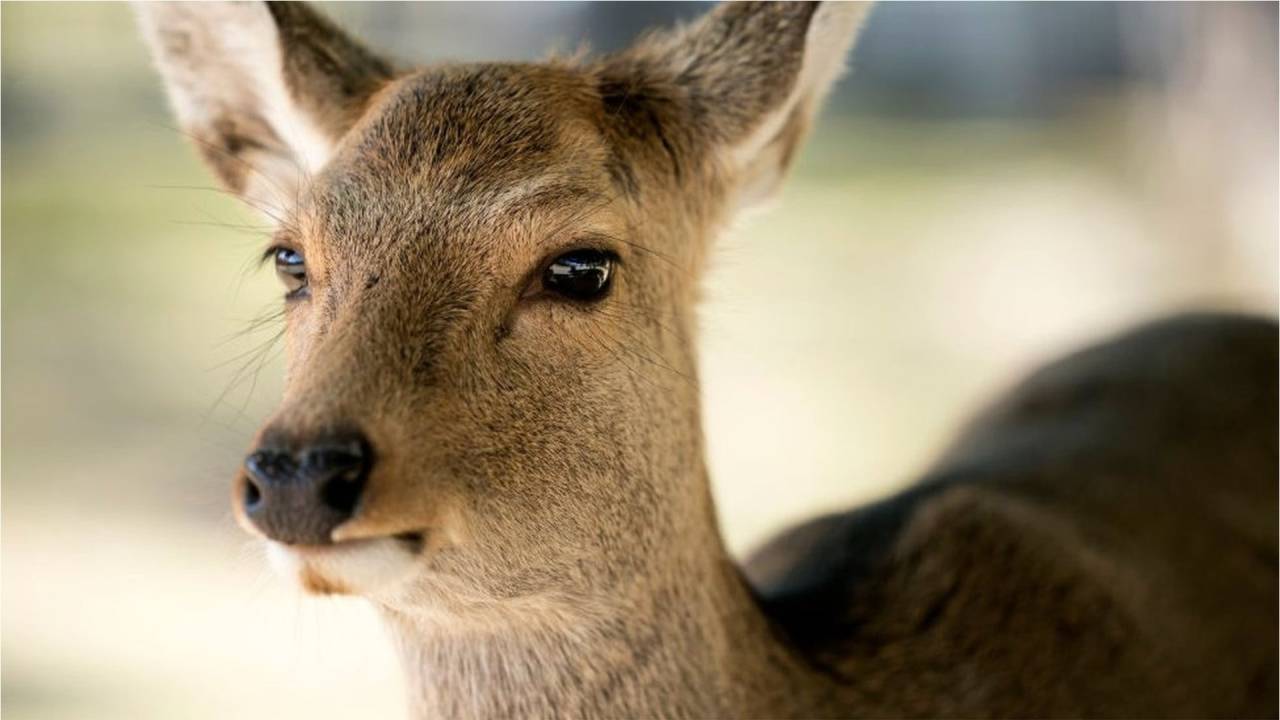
{"x":490,"y":424}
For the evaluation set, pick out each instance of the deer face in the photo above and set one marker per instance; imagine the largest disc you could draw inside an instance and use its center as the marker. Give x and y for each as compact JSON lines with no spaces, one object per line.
{"x":474,"y":306}
{"x":490,"y":274}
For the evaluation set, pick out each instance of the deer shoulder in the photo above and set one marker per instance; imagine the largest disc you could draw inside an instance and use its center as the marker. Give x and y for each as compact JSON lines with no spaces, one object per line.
{"x":1079,"y":551}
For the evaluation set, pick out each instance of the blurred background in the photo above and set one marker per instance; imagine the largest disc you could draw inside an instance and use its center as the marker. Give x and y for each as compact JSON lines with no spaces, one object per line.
{"x":993,"y":185}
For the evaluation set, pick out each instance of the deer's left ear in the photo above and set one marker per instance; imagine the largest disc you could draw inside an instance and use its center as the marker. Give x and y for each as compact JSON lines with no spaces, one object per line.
{"x":265,"y":89}
{"x":750,"y":76}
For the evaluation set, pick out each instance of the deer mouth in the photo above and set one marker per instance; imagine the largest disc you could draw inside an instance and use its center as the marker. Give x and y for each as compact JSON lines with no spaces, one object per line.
{"x":413,"y":541}
{"x":350,"y":567}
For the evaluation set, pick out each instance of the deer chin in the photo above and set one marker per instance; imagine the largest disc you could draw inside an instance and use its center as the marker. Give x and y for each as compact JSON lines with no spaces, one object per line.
{"x":354,"y":567}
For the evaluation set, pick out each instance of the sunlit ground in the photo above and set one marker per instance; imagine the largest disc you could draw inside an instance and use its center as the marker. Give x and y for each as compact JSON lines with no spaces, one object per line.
{"x":909,"y":272}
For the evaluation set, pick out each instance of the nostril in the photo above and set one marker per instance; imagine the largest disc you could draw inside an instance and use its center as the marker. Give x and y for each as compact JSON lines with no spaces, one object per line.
{"x":341,"y":493}
{"x":252,"y":495}
{"x":340,"y":467}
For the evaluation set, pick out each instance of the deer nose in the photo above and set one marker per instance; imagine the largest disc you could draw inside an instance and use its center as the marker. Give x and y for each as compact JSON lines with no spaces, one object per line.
{"x":299,"y":497}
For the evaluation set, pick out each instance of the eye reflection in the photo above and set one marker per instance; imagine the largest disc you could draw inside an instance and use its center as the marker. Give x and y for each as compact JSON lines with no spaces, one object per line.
{"x":291,"y":268}
{"x":582,"y":275}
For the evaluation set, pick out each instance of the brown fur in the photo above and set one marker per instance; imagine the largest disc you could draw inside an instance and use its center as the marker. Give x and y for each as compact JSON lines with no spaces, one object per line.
{"x":551,"y":453}
{"x":318,"y":583}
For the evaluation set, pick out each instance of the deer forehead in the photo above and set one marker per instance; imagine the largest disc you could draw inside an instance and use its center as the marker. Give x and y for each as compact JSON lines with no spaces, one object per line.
{"x":495,"y":161}
{"x":465,"y":117}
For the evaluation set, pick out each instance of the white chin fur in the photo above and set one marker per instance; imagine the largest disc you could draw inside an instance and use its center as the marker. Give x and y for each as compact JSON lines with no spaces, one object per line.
{"x":358,"y":567}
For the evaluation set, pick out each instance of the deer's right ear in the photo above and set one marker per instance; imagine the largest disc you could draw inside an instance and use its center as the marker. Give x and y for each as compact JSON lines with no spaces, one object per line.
{"x":266,"y":90}
{"x":743,"y":82}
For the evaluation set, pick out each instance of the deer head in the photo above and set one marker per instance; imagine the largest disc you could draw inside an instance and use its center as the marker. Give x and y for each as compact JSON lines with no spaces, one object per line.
{"x":491,"y":273}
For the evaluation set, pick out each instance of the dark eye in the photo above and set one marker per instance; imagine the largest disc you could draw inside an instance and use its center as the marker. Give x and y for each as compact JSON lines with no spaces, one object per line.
{"x":292,"y":270}
{"x":580,"y":275}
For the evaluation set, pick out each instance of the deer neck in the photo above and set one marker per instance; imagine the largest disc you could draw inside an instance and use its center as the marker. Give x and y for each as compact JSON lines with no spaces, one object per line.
{"x":687,"y":641}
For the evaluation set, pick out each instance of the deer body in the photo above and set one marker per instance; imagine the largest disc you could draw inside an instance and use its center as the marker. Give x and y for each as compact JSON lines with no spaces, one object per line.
{"x":491,"y":423}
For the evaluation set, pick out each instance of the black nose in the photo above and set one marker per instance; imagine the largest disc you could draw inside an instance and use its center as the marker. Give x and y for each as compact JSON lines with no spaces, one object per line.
{"x":299,"y":496}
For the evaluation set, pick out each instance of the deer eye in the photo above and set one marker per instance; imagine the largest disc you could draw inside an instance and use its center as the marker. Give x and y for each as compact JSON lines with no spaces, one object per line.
{"x":580,"y":275}
{"x":292,"y":270}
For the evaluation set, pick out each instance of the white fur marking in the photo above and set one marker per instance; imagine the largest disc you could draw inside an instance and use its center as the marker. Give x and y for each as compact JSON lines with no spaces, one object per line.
{"x":360,"y":566}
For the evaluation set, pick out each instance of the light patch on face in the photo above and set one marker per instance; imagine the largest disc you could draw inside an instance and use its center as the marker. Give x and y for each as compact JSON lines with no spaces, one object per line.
{"x":359,"y":567}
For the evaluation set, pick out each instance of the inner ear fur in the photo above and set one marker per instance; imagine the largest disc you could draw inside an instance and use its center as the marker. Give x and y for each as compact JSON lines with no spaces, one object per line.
{"x":743,"y":82}
{"x":265,"y":90}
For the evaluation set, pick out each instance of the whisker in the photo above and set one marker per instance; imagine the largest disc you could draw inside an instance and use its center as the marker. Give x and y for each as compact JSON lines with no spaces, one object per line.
{"x":634,"y":373}
{"x":661,"y":256}
{"x":262,"y":320}
{"x":637,"y":322}
{"x":283,"y":222}
{"x":256,"y":230}
{"x":251,"y":369}
{"x":303,"y":176}
{"x":265,"y":360}
{"x":651,"y":360}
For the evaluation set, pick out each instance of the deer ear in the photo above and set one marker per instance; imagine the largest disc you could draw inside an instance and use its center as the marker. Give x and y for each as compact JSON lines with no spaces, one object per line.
{"x":266,"y":90}
{"x":752,"y":75}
